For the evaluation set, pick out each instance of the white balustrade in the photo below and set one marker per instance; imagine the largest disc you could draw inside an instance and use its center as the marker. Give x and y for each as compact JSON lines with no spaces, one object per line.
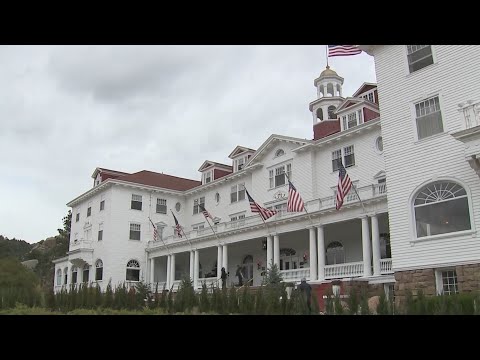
{"x":295,"y":274}
{"x":344,"y":270}
{"x":386,"y":266}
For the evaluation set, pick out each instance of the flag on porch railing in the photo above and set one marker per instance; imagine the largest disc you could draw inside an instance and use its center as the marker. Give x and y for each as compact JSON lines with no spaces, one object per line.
{"x":255,"y":208}
{"x":344,"y":185}
{"x":343,"y":50}
{"x":295,"y":202}
{"x":155,"y":232}
{"x":205,"y":212}
{"x":178,"y":228}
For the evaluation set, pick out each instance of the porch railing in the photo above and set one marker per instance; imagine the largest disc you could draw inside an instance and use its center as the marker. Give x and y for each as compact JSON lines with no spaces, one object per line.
{"x":319,"y":204}
{"x":208,"y":281}
{"x":386,"y":266}
{"x":295,"y":274}
{"x":81,"y":244}
{"x":353,"y":269}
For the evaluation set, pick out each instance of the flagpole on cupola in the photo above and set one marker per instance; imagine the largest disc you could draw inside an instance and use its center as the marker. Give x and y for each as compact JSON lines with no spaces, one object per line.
{"x":326,"y":54}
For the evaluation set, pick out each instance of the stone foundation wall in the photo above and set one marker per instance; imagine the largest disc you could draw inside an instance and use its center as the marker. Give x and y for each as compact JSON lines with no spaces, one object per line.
{"x":468,"y":277}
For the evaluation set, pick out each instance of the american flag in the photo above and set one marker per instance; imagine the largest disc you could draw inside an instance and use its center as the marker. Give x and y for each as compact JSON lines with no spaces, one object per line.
{"x":255,"y":208}
{"x":205,"y":212}
{"x":295,"y":202}
{"x":344,"y":185}
{"x":178,"y":228}
{"x":155,"y":232}
{"x":343,"y":50}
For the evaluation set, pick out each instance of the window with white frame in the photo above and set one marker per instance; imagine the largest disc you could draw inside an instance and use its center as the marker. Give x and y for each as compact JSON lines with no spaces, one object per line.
{"x":133,"y":271}
{"x":197,"y":203}
{"x":217,"y":198}
{"x":336,"y":159}
{"x":99,"y":270}
{"x":65,"y":276}
{"x":237,"y":219}
{"x":277,"y":175}
{"x":102,"y":205}
{"x":348,"y":156}
{"x":239,"y":163}
{"x":74,"y":274}
{"x":441,"y":207}
{"x":134,"y":231}
{"x":197,"y":227}
{"x":419,"y":56}
{"x":136,"y":202}
{"x":207,"y":177}
{"x":77,"y":217}
{"x":447,"y":282}
{"x":59,"y":277}
{"x":428,"y":117}
{"x":86,"y":273}
{"x":89,"y":209}
{"x":161,"y":206}
{"x":369,"y":96}
{"x":100,"y":232}
{"x":237,"y":193}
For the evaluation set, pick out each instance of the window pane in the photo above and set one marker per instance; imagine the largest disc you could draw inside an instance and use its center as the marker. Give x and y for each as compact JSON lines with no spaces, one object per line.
{"x":419,"y":56}
{"x":99,"y":274}
{"x":102,"y":205}
{"x":134,"y":235}
{"x":444,"y":217}
{"x":136,"y":205}
{"x":233,"y":197}
{"x":133,"y":275}
{"x":429,"y":125}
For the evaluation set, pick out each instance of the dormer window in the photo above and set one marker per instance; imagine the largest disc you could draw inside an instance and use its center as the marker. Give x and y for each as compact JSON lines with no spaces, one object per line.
{"x":351,"y":120}
{"x":369,"y":96}
{"x":207,"y":177}
{"x":240,"y":163}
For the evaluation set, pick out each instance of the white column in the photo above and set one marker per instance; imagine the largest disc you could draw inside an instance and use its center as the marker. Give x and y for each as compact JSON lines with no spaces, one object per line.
{"x":276,"y":250}
{"x":152,"y":270}
{"x":169,"y":268}
{"x":367,"y":266}
{"x":321,"y":252}
{"x":225,"y":258}
{"x":375,"y":246}
{"x":269,"y":251}
{"x":195,"y":269}
{"x":313,"y":254}
{"x":172,"y":271}
{"x":192,"y":261}
{"x":219,"y":261}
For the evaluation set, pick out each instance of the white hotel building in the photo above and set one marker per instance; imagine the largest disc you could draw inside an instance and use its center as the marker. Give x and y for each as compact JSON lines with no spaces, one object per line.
{"x":424,"y":155}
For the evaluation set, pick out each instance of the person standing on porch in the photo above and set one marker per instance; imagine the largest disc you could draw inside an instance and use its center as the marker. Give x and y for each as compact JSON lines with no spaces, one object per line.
{"x":224,"y":278}
{"x":239,"y":275}
{"x":306,"y":289}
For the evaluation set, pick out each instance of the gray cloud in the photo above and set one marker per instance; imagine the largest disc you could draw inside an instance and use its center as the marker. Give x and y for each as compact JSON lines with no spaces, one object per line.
{"x":65,"y":110}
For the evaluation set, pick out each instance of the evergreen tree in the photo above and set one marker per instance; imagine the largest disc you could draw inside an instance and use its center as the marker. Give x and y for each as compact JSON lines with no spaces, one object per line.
{"x":204,"y":302}
{"x":352,"y":302}
{"x":108,"y":303}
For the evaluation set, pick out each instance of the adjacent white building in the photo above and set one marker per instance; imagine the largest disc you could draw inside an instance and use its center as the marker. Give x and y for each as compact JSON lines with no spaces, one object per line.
{"x":430,"y":107}
{"x":426,"y":144}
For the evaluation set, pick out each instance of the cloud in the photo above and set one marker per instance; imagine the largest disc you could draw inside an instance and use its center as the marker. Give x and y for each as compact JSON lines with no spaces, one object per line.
{"x":65,"y":110}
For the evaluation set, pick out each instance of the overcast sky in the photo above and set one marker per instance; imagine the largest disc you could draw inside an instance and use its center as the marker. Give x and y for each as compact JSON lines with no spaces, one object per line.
{"x":65,"y":110}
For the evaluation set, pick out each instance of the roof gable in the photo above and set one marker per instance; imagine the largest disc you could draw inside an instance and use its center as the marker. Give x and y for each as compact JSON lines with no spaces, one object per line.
{"x":349,"y":102}
{"x":364,"y":88}
{"x":262,"y":150}
{"x":207,"y":164}
{"x":239,"y":150}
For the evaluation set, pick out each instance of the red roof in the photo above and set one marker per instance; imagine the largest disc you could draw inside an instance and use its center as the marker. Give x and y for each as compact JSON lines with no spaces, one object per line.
{"x":160,"y":180}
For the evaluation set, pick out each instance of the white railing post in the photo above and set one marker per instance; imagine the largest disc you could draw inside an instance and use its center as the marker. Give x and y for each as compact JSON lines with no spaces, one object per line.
{"x":367,"y":266}
{"x":269,"y":251}
{"x":276,"y":250}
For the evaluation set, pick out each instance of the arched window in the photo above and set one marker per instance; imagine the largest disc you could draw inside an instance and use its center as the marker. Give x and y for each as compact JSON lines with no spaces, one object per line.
{"x":335,"y":253}
{"x":330,"y":90}
{"x":133,"y":271}
{"x":86,"y":273}
{"x":59,"y":277}
{"x":74,"y":274}
{"x":320,"y":114}
{"x":331,"y":112}
{"x":339,"y":90}
{"x":65,"y":276}
{"x":441,"y":207}
{"x":279,"y":152}
{"x":99,"y":270}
